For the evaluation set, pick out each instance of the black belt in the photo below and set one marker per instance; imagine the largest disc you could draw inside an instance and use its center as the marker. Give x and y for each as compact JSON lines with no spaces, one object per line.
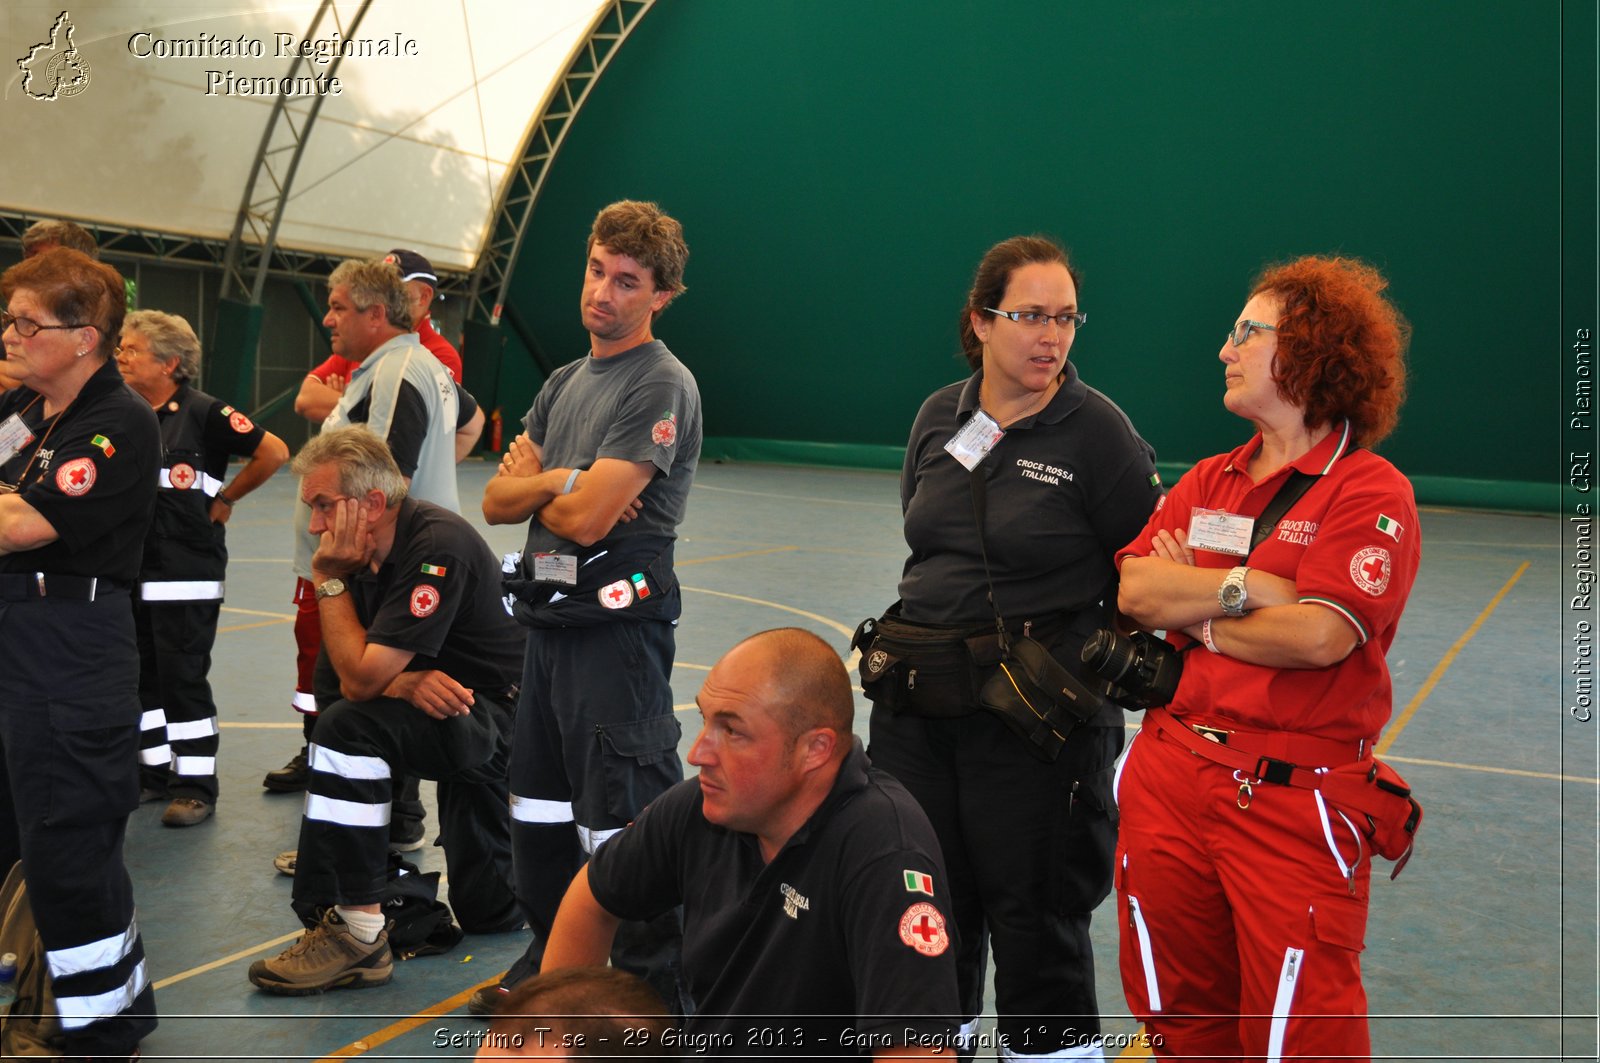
{"x":20,"y":586}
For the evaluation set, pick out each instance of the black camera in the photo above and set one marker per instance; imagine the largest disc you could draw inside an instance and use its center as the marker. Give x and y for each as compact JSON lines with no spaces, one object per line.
{"x":1142,"y":670}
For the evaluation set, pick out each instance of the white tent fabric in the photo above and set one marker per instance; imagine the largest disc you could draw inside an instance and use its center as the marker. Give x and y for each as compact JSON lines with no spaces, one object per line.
{"x":154,"y":120}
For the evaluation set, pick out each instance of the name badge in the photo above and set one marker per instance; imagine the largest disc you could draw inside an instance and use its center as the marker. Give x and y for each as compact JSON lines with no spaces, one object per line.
{"x":976,"y":438}
{"x":1224,"y":533}
{"x":14,"y":435}
{"x":556,"y":568}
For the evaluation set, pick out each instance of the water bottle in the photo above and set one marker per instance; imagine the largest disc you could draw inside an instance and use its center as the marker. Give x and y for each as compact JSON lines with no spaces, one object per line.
{"x":8,"y":979}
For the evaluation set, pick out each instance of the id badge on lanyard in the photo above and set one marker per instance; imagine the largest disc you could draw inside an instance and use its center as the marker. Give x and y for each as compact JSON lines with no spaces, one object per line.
{"x":976,"y":438}
{"x":14,"y":435}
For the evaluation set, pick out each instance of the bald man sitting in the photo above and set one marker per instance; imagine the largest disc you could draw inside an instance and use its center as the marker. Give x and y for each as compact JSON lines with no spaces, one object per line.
{"x":815,"y":904}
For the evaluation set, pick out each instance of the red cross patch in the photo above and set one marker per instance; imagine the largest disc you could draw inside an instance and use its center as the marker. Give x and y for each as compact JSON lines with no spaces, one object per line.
{"x":424,"y":600}
{"x":181,"y":476}
{"x":1370,"y":570}
{"x":664,"y":431}
{"x":239,"y":422}
{"x":922,"y":927}
{"x":75,"y":477}
{"x":618,"y":595}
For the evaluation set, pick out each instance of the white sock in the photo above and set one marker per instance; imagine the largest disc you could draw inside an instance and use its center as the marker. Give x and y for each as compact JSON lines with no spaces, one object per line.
{"x":366,"y":926}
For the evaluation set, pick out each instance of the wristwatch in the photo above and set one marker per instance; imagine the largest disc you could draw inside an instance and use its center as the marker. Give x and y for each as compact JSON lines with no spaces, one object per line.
{"x":330,"y":588}
{"x":1231,"y":595}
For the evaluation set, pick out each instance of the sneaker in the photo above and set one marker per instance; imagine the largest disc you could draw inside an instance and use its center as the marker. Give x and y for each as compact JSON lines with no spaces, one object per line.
{"x":186,"y":812}
{"x":285,"y":861}
{"x":487,"y":1000}
{"x":292,"y":778}
{"x":403,"y":843}
{"x":328,"y":956}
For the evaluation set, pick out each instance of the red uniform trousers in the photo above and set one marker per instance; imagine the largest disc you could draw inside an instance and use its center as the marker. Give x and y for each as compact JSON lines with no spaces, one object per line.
{"x":1241,"y":928}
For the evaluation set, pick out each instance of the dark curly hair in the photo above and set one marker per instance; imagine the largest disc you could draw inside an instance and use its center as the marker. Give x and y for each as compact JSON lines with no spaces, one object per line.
{"x":1341,"y":343}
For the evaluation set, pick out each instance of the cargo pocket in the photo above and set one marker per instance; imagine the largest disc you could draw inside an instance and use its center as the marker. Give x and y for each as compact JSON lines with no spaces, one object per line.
{"x":640,"y":760}
{"x":94,"y":755}
{"x":1085,"y":842}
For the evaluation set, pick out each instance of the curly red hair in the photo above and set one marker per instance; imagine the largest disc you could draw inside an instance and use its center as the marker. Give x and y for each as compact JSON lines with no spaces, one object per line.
{"x":1341,"y":343}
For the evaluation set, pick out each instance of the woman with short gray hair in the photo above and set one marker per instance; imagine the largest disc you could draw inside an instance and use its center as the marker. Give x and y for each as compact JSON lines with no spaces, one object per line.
{"x":185,"y":557}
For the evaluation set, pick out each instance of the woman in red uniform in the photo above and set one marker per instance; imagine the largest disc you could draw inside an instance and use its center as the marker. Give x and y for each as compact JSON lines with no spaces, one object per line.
{"x":1243,"y":903}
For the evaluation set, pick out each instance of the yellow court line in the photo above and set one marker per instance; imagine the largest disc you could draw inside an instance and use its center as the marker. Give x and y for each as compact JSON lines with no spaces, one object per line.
{"x":1520,"y":772}
{"x":1444,"y":663}
{"x":258,"y":623}
{"x":846,"y":631}
{"x":732,"y":557}
{"x":214,"y":964}
{"x":405,"y":1026}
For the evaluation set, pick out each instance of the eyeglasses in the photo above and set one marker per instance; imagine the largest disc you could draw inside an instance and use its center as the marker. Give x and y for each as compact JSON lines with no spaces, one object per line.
{"x":27,"y":327}
{"x":1034,"y":319}
{"x":1241,"y":331}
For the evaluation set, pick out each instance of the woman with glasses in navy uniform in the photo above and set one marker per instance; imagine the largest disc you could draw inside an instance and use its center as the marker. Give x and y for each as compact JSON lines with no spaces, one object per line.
{"x":78,"y":458}
{"x":1244,"y":899}
{"x":1065,"y":480}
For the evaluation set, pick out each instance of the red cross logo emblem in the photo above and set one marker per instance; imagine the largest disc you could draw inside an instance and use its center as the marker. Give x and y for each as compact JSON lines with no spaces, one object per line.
{"x":1370,"y":570}
{"x":239,"y":422}
{"x":181,"y":476}
{"x":75,"y":477}
{"x":424,"y":600}
{"x":922,"y":928}
{"x":618,"y":595}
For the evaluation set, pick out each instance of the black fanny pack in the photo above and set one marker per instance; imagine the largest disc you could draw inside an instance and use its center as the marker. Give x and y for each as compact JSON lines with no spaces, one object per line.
{"x":931,"y":670}
{"x":632,"y":580}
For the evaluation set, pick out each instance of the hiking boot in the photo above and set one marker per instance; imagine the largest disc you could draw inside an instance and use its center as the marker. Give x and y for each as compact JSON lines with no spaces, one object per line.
{"x":285,"y":861}
{"x":328,"y":956}
{"x":292,"y":778}
{"x":186,"y":812}
{"x":487,"y":1000}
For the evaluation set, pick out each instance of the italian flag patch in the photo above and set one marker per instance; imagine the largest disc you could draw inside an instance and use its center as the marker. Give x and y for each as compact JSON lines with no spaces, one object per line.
{"x":104,"y":444}
{"x":917,"y":882}
{"x":1389,"y":527}
{"x":433,"y":570}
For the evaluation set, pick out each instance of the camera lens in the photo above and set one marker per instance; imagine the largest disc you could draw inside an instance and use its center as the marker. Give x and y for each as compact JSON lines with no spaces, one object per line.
{"x":1108,"y":654}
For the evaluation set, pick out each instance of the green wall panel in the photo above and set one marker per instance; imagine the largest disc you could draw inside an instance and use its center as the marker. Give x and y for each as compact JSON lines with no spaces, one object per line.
{"x":840,"y":167}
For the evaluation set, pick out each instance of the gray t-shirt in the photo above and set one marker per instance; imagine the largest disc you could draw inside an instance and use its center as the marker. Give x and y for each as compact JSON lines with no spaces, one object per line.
{"x":640,"y":405}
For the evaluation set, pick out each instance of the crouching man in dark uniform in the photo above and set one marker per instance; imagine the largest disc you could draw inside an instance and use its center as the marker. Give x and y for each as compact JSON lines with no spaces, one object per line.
{"x":815,"y":905}
{"x":427,"y":660}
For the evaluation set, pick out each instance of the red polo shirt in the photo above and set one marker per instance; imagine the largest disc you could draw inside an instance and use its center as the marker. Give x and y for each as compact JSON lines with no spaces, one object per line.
{"x":1351,"y":544}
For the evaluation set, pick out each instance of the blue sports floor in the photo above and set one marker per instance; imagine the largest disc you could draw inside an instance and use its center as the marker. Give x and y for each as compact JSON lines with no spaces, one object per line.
{"x":1476,"y":952}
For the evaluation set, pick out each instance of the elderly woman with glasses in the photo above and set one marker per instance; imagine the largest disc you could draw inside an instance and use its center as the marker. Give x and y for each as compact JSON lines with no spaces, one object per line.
{"x":1062,"y":479}
{"x":78,"y":459}
{"x":1243,"y":893}
{"x":185,"y":557}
